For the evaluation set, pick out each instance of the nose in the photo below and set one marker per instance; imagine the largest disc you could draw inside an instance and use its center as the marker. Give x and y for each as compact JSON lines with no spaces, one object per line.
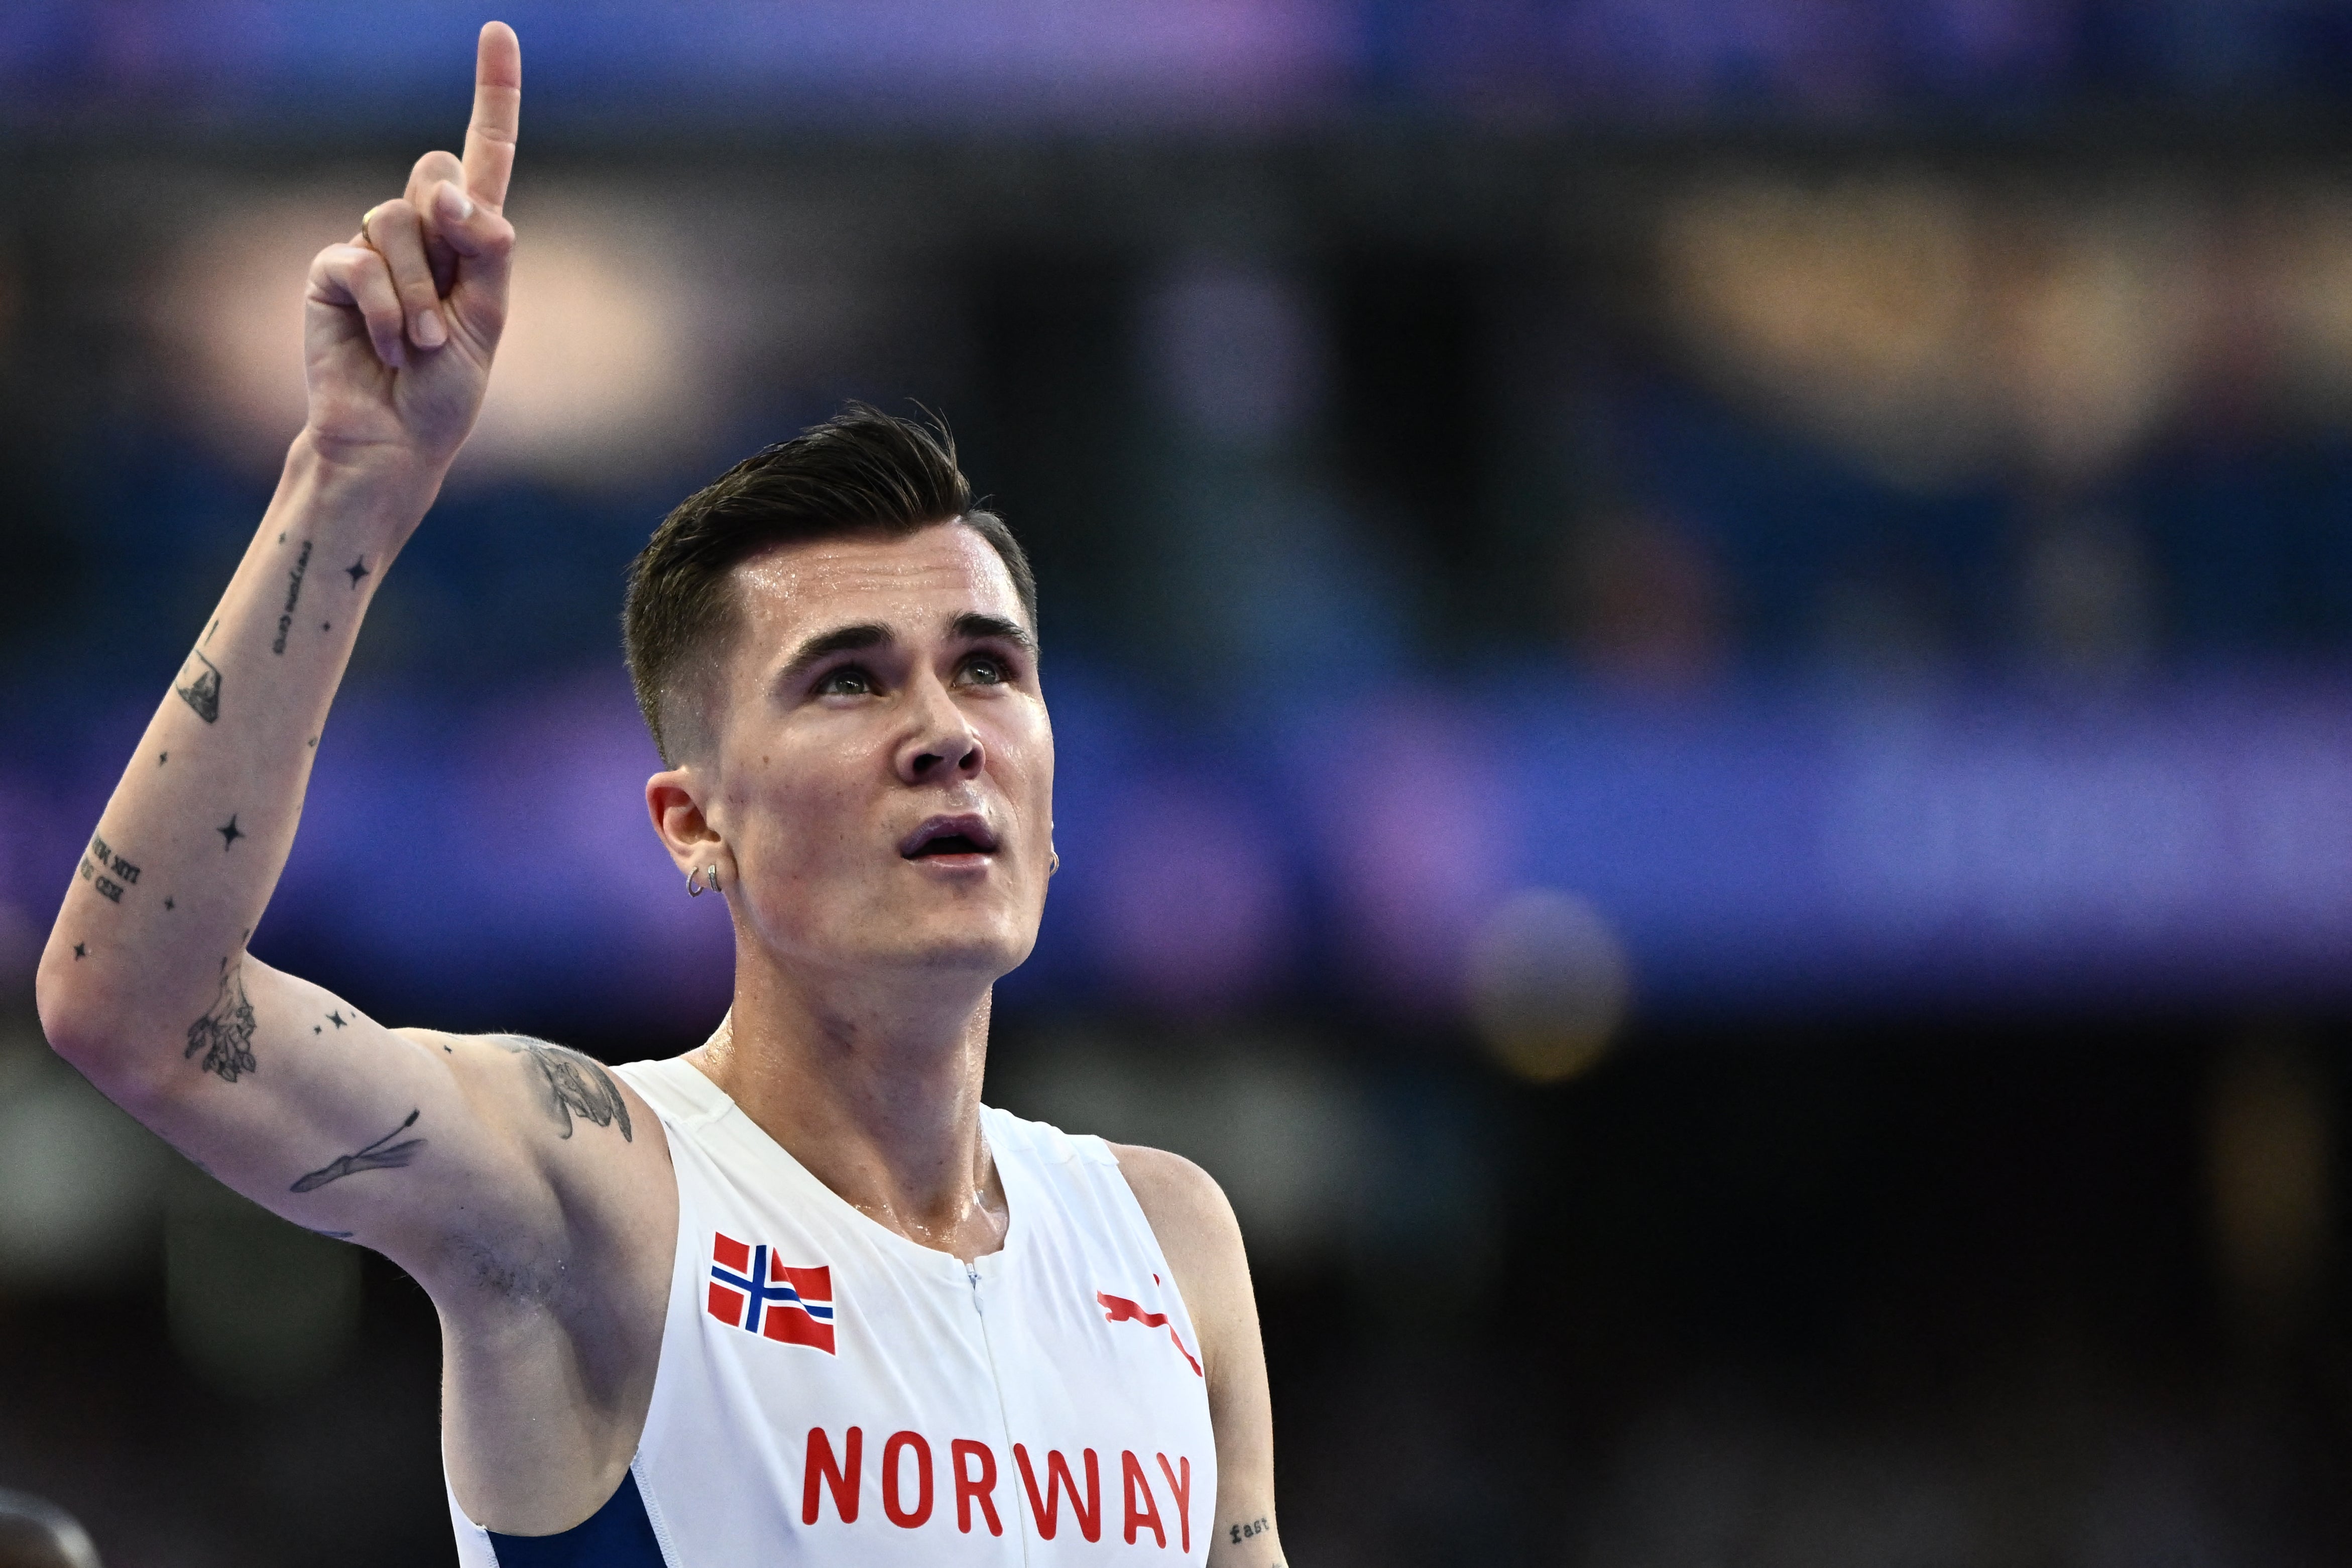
{"x":941,"y":745}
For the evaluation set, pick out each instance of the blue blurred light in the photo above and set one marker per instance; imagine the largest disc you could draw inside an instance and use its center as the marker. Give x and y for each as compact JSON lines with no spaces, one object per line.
{"x":488,"y":854}
{"x":1189,"y":62}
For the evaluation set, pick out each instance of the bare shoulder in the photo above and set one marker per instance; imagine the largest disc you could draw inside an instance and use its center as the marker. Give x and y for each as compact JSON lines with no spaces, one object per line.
{"x":559,"y":1090}
{"x":1177,"y":1195}
{"x":1197,"y":1232}
{"x":559,"y":1122}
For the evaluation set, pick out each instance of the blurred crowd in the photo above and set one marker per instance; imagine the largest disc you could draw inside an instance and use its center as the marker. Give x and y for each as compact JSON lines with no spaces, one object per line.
{"x":1700,"y":654}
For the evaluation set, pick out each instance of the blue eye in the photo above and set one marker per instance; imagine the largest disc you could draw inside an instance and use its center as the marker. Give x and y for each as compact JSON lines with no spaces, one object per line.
{"x":986,"y":670}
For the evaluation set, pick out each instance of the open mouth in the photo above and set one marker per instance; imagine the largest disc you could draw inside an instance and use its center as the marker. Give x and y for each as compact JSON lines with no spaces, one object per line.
{"x":943,"y":836}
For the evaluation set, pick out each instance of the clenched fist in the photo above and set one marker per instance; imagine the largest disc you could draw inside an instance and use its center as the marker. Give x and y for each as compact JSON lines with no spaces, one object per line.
{"x":402,"y":320}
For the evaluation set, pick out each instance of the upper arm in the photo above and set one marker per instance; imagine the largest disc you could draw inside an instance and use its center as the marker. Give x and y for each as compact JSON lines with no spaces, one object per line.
{"x":461,"y":1158}
{"x":1202,"y":1243}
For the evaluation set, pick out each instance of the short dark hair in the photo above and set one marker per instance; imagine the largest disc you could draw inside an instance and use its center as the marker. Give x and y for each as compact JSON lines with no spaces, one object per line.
{"x":860,"y":472}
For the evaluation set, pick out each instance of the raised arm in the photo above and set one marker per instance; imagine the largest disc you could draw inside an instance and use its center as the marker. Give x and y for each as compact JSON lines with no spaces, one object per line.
{"x":286,"y":1093}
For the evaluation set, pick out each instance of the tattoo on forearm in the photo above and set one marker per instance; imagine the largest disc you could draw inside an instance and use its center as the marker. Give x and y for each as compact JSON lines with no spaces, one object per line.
{"x":577,"y":1085}
{"x":225,"y":1034}
{"x":357,"y":569}
{"x":230,"y":832}
{"x":112,"y":860}
{"x":293,"y":592}
{"x":373,"y":1158}
{"x":81,"y":951}
{"x":1238,"y":1533}
{"x":199,"y":685}
{"x":105,"y":871}
{"x":108,"y":888}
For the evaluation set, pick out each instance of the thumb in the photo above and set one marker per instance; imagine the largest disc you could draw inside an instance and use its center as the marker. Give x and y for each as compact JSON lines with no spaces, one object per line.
{"x":484,"y":243}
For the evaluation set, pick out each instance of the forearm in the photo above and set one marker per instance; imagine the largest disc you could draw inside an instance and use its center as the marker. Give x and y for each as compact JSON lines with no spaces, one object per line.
{"x":190,"y":847}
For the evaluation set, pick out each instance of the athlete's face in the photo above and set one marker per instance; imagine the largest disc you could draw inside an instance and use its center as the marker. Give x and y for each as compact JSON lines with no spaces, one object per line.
{"x":884,"y":778}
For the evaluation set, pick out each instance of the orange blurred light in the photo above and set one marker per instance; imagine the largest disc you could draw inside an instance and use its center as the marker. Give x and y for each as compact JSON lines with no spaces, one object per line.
{"x":608,"y":365}
{"x":1549,"y":983}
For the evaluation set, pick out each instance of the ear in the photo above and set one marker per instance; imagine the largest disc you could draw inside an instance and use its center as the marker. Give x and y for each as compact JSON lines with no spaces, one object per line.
{"x":673,"y":799}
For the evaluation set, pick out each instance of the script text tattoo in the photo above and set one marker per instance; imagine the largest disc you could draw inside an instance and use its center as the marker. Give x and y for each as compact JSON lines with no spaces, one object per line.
{"x":107,"y":871}
{"x":293,"y":592}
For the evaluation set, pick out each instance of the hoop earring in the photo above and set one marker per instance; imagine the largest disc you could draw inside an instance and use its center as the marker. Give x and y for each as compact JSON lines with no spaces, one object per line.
{"x":694,"y":881}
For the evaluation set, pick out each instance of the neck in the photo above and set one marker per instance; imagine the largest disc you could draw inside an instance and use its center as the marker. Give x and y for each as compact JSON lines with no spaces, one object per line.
{"x":874,"y":1086}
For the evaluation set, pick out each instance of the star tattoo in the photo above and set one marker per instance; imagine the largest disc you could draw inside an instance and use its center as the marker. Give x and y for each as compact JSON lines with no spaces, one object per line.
{"x":169,"y":904}
{"x":357,"y":569}
{"x":229,"y":833}
{"x":162,"y":758}
{"x":81,"y":950}
{"x":336,"y":1017}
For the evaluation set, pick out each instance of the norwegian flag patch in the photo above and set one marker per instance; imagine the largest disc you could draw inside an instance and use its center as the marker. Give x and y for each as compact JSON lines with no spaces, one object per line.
{"x":750,"y":1290}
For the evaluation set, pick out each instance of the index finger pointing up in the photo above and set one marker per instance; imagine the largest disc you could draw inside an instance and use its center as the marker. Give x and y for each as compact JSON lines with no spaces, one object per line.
{"x":498,"y":114}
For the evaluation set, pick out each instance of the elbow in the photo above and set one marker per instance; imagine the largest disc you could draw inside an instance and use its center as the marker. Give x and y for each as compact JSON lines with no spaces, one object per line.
{"x":104,"y":1040}
{"x":96,"y":1032}
{"x":82,"y":1019}
{"x":67,"y":1004}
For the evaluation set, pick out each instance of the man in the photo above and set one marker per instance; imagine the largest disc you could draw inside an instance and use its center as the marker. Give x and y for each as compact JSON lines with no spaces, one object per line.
{"x":796,"y":1295}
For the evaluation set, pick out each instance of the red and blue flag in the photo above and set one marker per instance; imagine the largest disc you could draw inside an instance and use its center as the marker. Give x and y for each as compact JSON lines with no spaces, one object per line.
{"x":750,"y":1290}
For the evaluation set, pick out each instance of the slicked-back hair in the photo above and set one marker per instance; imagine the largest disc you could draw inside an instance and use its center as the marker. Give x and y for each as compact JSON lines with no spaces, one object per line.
{"x":862,"y":472}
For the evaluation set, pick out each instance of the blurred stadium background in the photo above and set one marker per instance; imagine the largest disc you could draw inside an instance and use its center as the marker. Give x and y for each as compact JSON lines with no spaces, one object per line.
{"x":1703,"y":652}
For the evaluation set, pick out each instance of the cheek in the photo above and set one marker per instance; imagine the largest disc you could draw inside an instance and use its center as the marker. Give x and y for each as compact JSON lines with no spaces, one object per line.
{"x":1025,"y":747}
{"x":1037,"y":787}
{"x":793,"y":817}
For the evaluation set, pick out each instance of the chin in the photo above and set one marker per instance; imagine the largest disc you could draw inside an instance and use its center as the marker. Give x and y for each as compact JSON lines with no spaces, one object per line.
{"x":983,"y":952}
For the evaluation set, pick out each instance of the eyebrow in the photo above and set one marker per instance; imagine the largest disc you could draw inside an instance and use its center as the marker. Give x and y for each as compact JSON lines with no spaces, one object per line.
{"x":840,"y":640}
{"x":971,"y":626}
{"x":975,"y":627}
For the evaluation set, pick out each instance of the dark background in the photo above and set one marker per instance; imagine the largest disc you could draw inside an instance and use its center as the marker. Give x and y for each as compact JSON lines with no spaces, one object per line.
{"x":1700,"y":652}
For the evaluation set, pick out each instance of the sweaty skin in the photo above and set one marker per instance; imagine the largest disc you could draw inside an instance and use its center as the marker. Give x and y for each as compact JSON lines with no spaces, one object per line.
{"x":527,"y":1189}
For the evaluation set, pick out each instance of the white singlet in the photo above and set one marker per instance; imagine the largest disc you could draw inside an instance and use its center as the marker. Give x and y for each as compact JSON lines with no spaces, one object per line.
{"x":830,"y":1391}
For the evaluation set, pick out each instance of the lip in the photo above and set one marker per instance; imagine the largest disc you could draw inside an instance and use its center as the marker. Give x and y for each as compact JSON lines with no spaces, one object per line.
{"x":965,"y":825}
